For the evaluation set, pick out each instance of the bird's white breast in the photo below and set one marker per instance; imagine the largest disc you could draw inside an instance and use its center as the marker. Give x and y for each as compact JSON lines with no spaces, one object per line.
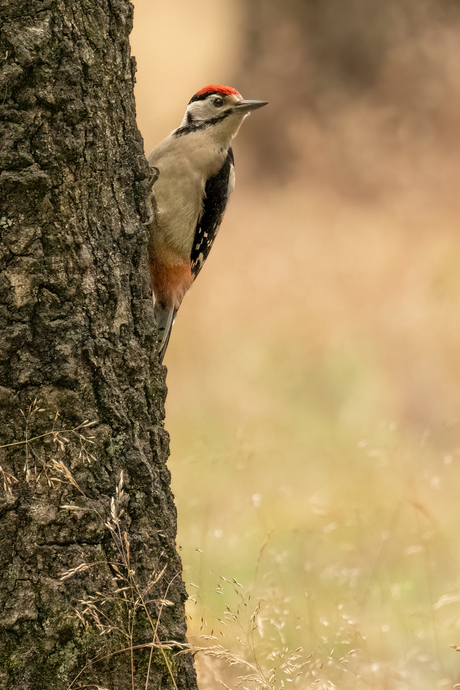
{"x":185,"y":164}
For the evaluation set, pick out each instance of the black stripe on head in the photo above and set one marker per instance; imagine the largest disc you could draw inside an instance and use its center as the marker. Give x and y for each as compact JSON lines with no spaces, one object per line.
{"x":196,"y":125}
{"x":202,"y":96}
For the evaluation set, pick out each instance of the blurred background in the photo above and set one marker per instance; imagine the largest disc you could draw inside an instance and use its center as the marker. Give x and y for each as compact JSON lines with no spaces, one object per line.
{"x":314,"y":368}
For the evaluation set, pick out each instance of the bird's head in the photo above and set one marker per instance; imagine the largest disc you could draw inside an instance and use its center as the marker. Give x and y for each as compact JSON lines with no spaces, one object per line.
{"x":219,"y":109}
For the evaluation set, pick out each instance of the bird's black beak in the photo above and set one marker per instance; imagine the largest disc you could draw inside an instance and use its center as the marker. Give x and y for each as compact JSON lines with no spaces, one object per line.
{"x":246,"y":106}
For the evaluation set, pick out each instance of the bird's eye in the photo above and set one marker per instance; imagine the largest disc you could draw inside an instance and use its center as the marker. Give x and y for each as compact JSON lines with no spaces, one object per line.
{"x":218,"y":102}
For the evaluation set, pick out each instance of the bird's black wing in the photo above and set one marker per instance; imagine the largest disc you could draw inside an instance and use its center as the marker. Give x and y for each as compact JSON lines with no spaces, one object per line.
{"x":215,"y":201}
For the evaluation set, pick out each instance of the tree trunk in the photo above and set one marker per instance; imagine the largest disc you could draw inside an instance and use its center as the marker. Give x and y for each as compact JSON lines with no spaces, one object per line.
{"x":90,"y":580}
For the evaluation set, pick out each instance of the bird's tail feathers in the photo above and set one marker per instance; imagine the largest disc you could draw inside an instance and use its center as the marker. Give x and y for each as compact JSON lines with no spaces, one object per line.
{"x":164,"y":317}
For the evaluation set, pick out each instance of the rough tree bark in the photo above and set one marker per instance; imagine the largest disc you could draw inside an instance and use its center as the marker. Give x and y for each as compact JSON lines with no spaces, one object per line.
{"x":77,"y":343}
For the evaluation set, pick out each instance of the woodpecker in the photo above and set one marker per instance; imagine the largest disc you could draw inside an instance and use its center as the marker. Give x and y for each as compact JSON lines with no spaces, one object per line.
{"x":195,"y":171}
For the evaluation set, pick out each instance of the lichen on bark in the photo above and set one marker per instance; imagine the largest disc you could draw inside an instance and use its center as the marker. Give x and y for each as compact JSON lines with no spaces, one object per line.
{"x":77,"y":336}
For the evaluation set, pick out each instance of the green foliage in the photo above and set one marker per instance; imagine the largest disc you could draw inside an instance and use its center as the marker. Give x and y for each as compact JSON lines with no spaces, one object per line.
{"x":344,"y":544}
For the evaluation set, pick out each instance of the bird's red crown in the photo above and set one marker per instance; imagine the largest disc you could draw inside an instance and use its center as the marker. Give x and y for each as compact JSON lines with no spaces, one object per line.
{"x":217,"y":88}
{"x":213,"y":88}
